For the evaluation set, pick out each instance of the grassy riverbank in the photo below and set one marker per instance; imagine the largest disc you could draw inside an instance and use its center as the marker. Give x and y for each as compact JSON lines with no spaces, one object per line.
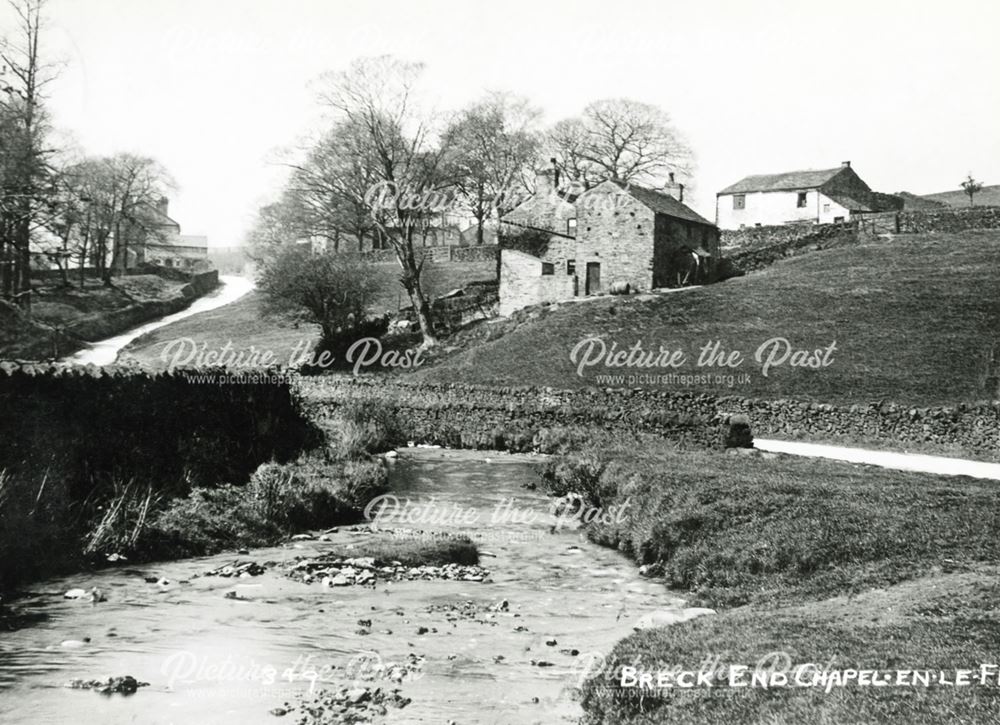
{"x":246,"y":325}
{"x":242,"y":468}
{"x":936,"y":626}
{"x":867,"y":567}
{"x":62,"y":318}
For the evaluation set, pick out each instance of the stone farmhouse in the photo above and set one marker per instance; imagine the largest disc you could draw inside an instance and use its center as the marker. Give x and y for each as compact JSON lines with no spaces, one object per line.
{"x":612,"y":237}
{"x":815,"y":196}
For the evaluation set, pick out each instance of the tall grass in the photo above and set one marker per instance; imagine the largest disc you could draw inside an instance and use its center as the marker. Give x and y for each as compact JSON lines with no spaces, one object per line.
{"x":121,"y":519}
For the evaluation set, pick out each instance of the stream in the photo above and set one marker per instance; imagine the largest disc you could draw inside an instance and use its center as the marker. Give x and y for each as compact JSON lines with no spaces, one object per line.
{"x":106,"y":351}
{"x":204,"y":654}
{"x":900,"y":461}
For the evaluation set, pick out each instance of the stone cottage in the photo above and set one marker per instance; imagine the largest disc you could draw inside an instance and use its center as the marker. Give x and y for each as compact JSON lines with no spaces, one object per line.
{"x":612,"y":237}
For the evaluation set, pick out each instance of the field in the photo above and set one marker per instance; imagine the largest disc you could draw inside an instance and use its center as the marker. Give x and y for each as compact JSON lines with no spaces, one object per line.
{"x":989,"y":196}
{"x":251,"y":329}
{"x":245,"y":325}
{"x":914,"y":320}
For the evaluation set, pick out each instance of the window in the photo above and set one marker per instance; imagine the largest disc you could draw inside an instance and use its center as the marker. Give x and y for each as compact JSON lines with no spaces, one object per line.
{"x":570,"y":266}
{"x":571,"y":226}
{"x":739,"y":201}
{"x":838,"y":220}
{"x":548,"y":268}
{"x":826,"y":208}
{"x":803,"y":199}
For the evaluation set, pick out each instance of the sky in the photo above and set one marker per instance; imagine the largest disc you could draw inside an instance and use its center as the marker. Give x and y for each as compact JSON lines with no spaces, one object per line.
{"x":220,"y":90}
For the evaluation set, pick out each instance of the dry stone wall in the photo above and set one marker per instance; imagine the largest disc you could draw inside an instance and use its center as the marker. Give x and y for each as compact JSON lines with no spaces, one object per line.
{"x":477,"y":416}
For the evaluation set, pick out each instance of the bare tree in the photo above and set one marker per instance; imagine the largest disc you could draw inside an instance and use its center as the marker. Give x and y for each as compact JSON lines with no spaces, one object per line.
{"x":971,"y":187}
{"x":139,"y":183}
{"x":621,"y":140}
{"x":327,"y":190}
{"x":376,"y":97}
{"x":490,"y":148}
{"x":23,"y":128}
{"x":274,"y":227}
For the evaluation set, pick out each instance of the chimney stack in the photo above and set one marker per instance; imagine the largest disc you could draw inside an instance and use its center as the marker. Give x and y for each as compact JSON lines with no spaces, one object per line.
{"x":555,"y":173}
{"x":846,"y":164}
{"x":672,"y":188}
{"x":162,"y":205}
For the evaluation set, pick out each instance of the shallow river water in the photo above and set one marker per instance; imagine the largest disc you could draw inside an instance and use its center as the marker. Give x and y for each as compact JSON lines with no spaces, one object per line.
{"x":105,"y":352}
{"x":211,"y":659}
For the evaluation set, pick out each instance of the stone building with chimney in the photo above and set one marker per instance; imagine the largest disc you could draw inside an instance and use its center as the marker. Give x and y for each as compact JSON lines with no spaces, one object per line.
{"x":164,"y":245}
{"x":613,"y":237}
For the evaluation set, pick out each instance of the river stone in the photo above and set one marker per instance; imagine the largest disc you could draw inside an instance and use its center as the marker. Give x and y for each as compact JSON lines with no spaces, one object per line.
{"x":363,"y":561}
{"x":76,"y":594}
{"x":358,"y":694}
{"x":667,"y":617}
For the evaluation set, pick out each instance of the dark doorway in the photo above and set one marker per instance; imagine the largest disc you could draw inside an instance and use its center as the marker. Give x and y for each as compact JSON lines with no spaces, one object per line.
{"x":593,"y":285}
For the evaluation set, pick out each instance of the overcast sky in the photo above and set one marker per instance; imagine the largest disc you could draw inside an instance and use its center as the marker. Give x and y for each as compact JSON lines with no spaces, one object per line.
{"x":905,"y":89}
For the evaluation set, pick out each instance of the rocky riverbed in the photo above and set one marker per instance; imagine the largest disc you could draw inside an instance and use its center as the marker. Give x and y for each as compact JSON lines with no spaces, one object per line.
{"x":268,"y":636}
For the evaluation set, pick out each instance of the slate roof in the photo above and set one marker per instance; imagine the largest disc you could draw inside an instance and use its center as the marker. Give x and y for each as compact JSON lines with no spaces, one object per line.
{"x":662,"y":203}
{"x":160,"y":219}
{"x":788,"y":181}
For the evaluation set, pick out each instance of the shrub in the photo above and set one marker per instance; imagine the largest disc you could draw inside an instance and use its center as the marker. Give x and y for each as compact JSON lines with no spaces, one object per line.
{"x":561,"y":440}
{"x":336,"y":343}
{"x":313,"y":492}
{"x":206,"y":521}
{"x":362,"y":428}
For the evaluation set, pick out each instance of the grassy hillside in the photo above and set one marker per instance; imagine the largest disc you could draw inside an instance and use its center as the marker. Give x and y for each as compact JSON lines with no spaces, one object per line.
{"x":252,"y":329}
{"x":914,"y":321}
{"x":245,"y":324}
{"x":989,"y":196}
